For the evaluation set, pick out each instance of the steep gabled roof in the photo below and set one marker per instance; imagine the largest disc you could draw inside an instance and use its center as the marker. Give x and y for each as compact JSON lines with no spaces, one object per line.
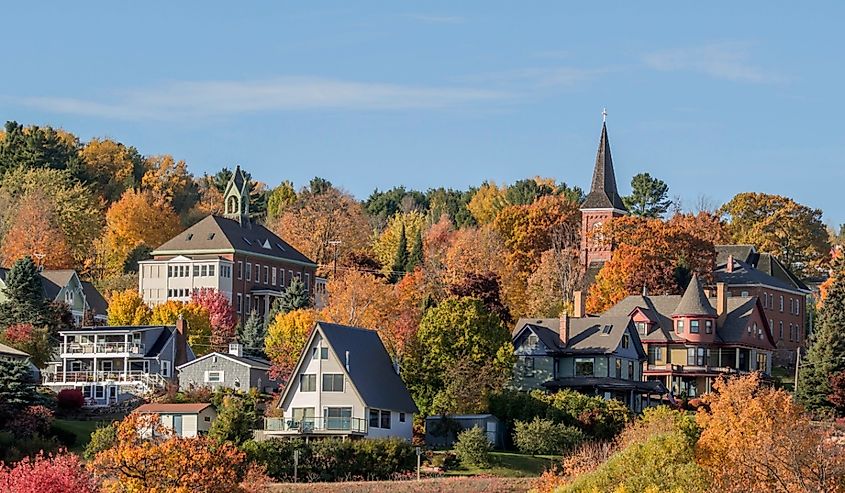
{"x":603,"y":192}
{"x":96,"y":302}
{"x":765,"y":263}
{"x":744,"y":274}
{"x":591,"y":335}
{"x":694,"y":301}
{"x":216,"y":233}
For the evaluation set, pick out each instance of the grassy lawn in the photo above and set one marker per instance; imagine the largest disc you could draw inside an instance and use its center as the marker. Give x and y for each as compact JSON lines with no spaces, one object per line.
{"x":434,"y":485}
{"x":785,"y":378}
{"x":81,"y":429}
{"x":509,"y":465}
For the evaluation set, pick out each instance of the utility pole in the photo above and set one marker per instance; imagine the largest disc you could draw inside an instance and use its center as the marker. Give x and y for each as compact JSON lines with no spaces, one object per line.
{"x":797,"y":365}
{"x":336,"y":244}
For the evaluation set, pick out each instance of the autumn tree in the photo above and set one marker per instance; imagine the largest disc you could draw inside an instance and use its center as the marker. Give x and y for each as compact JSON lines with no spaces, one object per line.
{"x":221,"y":315}
{"x":35,"y":341}
{"x":387,"y":245}
{"x":704,"y":225}
{"x":111,"y":167}
{"x":650,"y":253}
{"x":137,"y":219}
{"x":38,"y":147}
{"x":451,"y":203}
{"x":524,"y":192}
{"x":61,"y":473}
{"x":778,"y":225}
{"x":35,"y":230}
{"x":415,"y":258}
{"x":756,"y":439}
{"x":127,"y":308}
{"x":457,"y":331}
{"x":649,"y":196}
{"x":826,"y":355}
{"x":315,"y":220}
{"x":149,"y":457}
{"x":279,"y":199}
{"x":487,"y":202}
{"x":286,"y":338}
{"x":165,"y":177}
{"x":198,"y":318}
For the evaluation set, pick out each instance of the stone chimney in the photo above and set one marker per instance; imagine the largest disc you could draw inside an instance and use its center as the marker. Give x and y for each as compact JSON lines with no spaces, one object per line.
{"x":730,"y":267}
{"x":721,"y":299}
{"x":578,"y":302}
{"x":236,"y":349}
{"x":181,"y":341}
{"x":564,"y":329}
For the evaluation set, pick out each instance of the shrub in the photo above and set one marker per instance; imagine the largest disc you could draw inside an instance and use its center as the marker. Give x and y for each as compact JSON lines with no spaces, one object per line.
{"x":544,"y":437}
{"x":65,"y":437}
{"x":473,"y":447}
{"x":70,"y":399}
{"x":103,"y":438}
{"x":31,"y":421}
{"x":445,"y":461}
{"x":51,"y":474}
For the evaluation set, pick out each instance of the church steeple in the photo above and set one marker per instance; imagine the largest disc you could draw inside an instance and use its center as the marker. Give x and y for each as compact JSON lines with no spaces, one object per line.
{"x":603,"y":193}
{"x":236,"y":197}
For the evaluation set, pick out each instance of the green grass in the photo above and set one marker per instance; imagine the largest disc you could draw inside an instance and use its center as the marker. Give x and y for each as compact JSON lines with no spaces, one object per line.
{"x":783,"y":378}
{"x":509,"y":465}
{"x":82,"y":430}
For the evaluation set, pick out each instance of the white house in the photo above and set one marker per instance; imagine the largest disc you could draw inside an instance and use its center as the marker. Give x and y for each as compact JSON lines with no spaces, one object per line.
{"x":186,"y":420}
{"x":344,"y":385}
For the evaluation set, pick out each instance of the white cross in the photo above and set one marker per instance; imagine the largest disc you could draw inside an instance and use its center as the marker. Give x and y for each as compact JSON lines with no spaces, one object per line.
{"x":604,"y":115}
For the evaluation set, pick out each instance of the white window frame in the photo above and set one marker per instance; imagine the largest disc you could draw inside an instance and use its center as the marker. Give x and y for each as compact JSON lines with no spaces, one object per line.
{"x":240,"y":303}
{"x":274,"y":276}
{"x":165,"y":368}
{"x":240,"y":269}
{"x":333,"y":375}
{"x":249,"y":271}
{"x":219,"y":373}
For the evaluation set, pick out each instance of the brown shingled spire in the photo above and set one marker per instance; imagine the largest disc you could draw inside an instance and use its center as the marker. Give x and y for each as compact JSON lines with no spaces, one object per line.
{"x":603,"y":193}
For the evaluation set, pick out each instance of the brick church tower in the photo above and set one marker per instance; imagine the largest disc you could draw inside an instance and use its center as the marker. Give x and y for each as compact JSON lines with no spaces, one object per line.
{"x":602,"y":204}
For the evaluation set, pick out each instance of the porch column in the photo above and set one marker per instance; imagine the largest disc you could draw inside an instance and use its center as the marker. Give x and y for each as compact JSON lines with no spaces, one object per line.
{"x":266,"y":305}
{"x":95,"y":368}
{"x":126,"y":358}
{"x":64,"y":360}
{"x":737,"y":359}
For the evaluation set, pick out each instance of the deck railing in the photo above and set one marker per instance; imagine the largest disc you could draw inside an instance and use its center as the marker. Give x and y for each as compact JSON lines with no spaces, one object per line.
{"x":102,"y":348}
{"x":316,"y":425}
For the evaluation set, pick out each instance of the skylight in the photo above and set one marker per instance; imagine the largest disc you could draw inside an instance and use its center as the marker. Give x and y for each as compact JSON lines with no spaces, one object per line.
{"x":210,"y":236}
{"x":606,"y":329}
{"x":189,"y":237}
{"x":280,"y":247}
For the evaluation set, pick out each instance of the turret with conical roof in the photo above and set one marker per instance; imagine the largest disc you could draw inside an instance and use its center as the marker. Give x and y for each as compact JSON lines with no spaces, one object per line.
{"x":694,"y":317}
{"x":694,"y":302}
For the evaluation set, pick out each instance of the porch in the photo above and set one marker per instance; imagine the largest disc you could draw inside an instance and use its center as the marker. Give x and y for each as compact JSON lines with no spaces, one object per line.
{"x":313,"y":427}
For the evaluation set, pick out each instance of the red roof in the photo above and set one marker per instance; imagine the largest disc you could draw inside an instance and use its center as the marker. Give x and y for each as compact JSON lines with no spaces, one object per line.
{"x":172,"y":408}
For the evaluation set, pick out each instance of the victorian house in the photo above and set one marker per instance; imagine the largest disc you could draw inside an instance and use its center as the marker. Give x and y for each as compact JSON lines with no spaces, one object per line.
{"x":691,"y":340}
{"x":232,"y":254}
{"x":85,"y":303}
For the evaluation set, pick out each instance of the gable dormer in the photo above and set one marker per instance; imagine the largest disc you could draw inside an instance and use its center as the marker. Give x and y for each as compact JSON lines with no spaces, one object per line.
{"x":644,"y":319}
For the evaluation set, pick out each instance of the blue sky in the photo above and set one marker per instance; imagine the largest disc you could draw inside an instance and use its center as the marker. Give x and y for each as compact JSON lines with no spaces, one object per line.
{"x":737,"y":97}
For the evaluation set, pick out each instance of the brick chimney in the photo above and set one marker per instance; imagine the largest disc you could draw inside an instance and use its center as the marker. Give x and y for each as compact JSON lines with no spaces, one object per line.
{"x":564,"y":329}
{"x":181,"y":341}
{"x":730,"y":267}
{"x":578,"y":302}
{"x":721,"y":299}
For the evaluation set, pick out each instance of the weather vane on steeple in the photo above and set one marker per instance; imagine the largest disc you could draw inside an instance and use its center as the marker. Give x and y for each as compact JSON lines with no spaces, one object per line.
{"x":604,"y":115}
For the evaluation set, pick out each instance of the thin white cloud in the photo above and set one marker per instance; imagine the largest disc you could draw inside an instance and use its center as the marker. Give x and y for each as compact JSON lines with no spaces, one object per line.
{"x":223,"y":98}
{"x":723,"y":60}
{"x":544,"y":77}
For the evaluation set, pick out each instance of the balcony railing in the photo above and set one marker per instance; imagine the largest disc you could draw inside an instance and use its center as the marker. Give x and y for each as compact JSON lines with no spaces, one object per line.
{"x":102,"y":376}
{"x":316,"y":425}
{"x":692,"y":368}
{"x":102,"y":348}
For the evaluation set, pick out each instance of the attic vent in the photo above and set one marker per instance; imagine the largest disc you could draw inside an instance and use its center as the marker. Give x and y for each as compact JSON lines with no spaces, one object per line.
{"x":247,"y":241}
{"x":189,"y":237}
{"x":280,"y":247}
{"x":266,"y":245}
{"x":210,"y":236}
{"x":606,"y":329}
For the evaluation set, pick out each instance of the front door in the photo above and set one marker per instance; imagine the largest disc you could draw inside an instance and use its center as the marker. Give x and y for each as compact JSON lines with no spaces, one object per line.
{"x":113,"y":394}
{"x":177,"y":424}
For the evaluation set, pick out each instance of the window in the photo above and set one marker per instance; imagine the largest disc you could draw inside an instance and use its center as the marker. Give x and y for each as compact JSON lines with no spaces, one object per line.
{"x":606,"y":330}
{"x":213,"y":377}
{"x":99,"y":392}
{"x":324,"y":353}
{"x":338,"y":418}
{"x":385,"y":420}
{"x":210,"y":236}
{"x":708,"y":326}
{"x":165,"y":369}
{"x":790,"y":332}
{"x":798,"y":306}
{"x":528,"y":366}
{"x":240,"y":303}
{"x":282,"y":277}
{"x":248,"y":271}
{"x":679,"y":327}
{"x":211,"y":270}
{"x":248,"y":303}
{"x":375,"y":418}
{"x":797,"y":333}
{"x":655,"y":354}
{"x":109,"y":365}
{"x":302,"y":415}
{"x":401,"y":417}
{"x":630,"y":370}
{"x":307,"y":283}
{"x":781,"y":303}
{"x":308,"y":382}
{"x":203,"y":271}
{"x":642,"y":327}
{"x":75,"y":366}
{"x":584,"y":367}
{"x":290,"y":276}
{"x":697,"y":356}
{"x":693,"y":326}
{"x":618,"y":368}
{"x":625,"y":341}
{"x":314,"y":353}
{"x":531,"y":341}
{"x":197,"y":270}
{"x":274,"y":276}
{"x":762,"y":360}
{"x":780,"y":329}
{"x":266,"y":275}
{"x":744,"y":294}
{"x":240,"y":269}
{"x":332,"y":382}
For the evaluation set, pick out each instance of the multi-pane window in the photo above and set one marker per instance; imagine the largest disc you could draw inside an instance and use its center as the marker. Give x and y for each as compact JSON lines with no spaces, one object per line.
{"x":274,"y":277}
{"x":248,"y":271}
{"x":693,"y":326}
{"x":618,"y":368}
{"x":266,"y":275}
{"x":696,"y":356}
{"x":630,"y":370}
{"x":762,"y":360}
{"x":211,"y":270}
{"x":780,"y":329}
{"x":213,"y":376}
{"x":708,"y":326}
{"x":308,"y":382}
{"x":303,"y":415}
{"x":375,"y":418}
{"x":240,"y":269}
{"x":385,"y":419}
{"x":196,"y":271}
{"x":655,"y":354}
{"x":240,"y":303}
{"x":679,"y":326}
{"x":584,"y":367}
{"x":332,"y":382}
{"x":625,"y":341}
{"x":781,"y":303}
{"x":528,"y":366}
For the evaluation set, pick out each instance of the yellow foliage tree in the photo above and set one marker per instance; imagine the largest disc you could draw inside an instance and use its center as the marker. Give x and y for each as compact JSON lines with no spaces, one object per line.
{"x":111,"y":165}
{"x":198,"y":318}
{"x":286,"y":337}
{"x":35,"y":232}
{"x":127,"y":308}
{"x":170,"y":179}
{"x":755,"y":439}
{"x":487,"y":202}
{"x":385,"y":245}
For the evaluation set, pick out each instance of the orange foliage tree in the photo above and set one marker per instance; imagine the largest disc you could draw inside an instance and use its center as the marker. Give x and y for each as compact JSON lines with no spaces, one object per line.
{"x":662,"y":256}
{"x":128,"y":308}
{"x":34,"y":231}
{"x":148,"y":457}
{"x":756,"y":439}
{"x":111,"y":166}
{"x":198,"y":318}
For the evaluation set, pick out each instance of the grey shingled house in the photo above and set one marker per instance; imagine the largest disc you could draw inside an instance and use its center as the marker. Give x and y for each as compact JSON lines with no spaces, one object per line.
{"x":231,"y":370}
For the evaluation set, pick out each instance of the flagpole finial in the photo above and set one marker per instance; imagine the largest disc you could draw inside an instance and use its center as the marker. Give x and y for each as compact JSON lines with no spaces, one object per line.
{"x":604,"y":115}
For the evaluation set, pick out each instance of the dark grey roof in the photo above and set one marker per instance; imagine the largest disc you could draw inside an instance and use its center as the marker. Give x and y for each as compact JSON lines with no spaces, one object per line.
{"x":733,"y":326}
{"x":745,"y":274}
{"x":96,"y":302}
{"x":603,"y":193}
{"x":586,"y":335}
{"x":239,"y":178}
{"x":220,"y":233}
{"x":250,"y":361}
{"x":54,"y":280}
{"x":694,"y":301}
{"x":160,"y":341}
{"x":608,"y":383}
{"x":766,"y":263}
{"x":739,"y":252}
{"x":370,"y":367}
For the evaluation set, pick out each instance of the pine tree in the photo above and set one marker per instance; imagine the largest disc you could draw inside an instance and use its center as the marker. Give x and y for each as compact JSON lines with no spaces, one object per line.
{"x":252,"y":334}
{"x":416,"y":257}
{"x":295,"y":297}
{"x":401,"y":258}
{"x":827,"y":346}
{"x":24,"y":296}
{"x":16,"y":390}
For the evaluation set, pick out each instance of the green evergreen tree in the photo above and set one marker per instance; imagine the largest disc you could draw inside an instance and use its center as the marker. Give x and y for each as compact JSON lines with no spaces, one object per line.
{"x":401,"y":258}
{"x":235,"y":420}
{"x":826,"y":355}
{"x":295,"y":297}
{"x":252,"y":333}
{"x":649,"y":196}
{"x":16,"y":389}
{"x":416,"y":257}
{"x":24,"y":296}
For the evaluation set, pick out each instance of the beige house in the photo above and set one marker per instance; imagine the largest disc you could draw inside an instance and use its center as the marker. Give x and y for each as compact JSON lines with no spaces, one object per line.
{"x":186,"y":420}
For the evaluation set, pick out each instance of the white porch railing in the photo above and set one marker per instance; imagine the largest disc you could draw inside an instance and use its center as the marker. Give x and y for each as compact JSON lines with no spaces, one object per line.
{"x":102,"y":348}
{"x":58,"y":377}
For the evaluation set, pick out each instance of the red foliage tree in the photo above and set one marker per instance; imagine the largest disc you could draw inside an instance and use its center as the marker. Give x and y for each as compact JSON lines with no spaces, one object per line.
{"x":837,"y":394}
{"x":61,"y":473}
{"x":18,"y":334}
{"x":70,"y":399}
{"x":221,"y":314}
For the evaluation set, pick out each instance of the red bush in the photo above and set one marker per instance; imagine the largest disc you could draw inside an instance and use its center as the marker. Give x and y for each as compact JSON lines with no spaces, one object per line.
{"x":70,"y":399}
{"x":32,"y":420}
{"x":18,"y":333}
{"x":61,"y":473}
